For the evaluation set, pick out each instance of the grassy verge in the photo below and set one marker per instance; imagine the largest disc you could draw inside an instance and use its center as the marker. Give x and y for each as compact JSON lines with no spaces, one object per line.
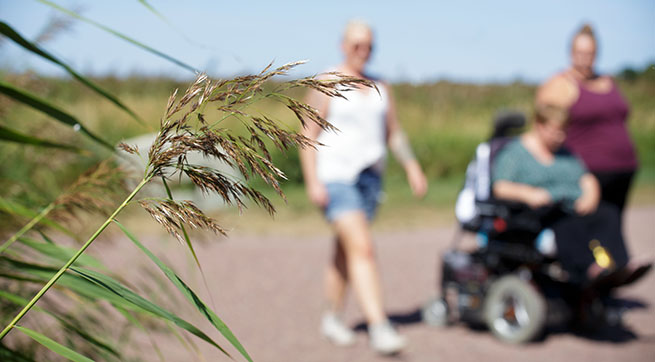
{"x":445,"y":121}
{"x":399,"y":210}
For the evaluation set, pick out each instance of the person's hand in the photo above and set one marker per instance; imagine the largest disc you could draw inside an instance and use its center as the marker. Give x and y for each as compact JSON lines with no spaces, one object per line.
{"x":317,"y":194}
{"x":416,"y":179}
{"x":538,"y":197}
{"x":586,"y":204}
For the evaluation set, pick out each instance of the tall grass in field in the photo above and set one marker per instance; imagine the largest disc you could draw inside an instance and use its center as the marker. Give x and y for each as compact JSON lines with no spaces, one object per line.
{"x":186,"y":126}
{"x":49,"y":135}
{"x":444,"y":120}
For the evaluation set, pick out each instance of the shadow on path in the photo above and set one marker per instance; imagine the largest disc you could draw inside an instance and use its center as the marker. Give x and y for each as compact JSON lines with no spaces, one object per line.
{"x":410,"y":317}
{"x":617,"y":333}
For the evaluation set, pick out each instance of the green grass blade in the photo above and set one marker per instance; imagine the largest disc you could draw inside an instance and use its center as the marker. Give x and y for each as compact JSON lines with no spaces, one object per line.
{"x":186,"y":236}
{"x":190,"y":246}
{"x":129,"y":296}
{"x":169,"y":23}
{"x":19,"y":210}
{"x":8,"y":355}
{"x":20,"y":301}
{"x":16,"y":299}
{"x":60,"y":253}
{"x":157,"y":13}
{"x":49,"y":109}
{"x":120,"y":35}
{"x":54,"y":346}
{"x":62,"y":270}
{"x":94,"y":286}
{"x":10,"y":33}
{"x":27,"y":227}
{"x":73,"y":282}
{"x":101,"y":346}
{"x":15,"y":209}
{"x":130,"y":318}
{"x":189,"y":294}
{"x":45,"y":237}
{"x":10,"y":135}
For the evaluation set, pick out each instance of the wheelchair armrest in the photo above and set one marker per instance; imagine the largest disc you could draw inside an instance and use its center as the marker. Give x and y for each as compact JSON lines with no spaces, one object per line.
{"x":502,"y":216}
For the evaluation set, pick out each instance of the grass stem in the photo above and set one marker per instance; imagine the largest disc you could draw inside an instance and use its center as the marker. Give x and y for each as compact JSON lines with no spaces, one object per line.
{"x":70,"y":262}
{"x":27,"y":227}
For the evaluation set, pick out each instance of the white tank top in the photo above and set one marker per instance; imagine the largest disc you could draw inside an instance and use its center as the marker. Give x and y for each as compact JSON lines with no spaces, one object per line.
{"x":361,"y":140}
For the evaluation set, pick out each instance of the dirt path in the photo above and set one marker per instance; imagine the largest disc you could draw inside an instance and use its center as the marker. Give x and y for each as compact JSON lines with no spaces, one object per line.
{"x":268,"y":290}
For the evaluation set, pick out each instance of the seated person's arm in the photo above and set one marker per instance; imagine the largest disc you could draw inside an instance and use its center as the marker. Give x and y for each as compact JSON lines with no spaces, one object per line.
{"x":509,"y":170}
{"x":588,"y":201}
{"x":533,"y":196}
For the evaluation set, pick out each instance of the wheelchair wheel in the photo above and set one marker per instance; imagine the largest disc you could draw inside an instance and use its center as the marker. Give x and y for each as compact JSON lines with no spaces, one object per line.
{"x":514,"y":311}
{"x":435,"y":312}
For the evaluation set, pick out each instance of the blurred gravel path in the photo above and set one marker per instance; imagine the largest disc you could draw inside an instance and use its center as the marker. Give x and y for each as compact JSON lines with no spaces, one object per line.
{"x":268,"y":289}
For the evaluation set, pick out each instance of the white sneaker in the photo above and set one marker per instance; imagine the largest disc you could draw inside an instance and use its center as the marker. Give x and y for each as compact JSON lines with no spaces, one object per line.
{"x":385,"y":339}
{"x":334,"y":330}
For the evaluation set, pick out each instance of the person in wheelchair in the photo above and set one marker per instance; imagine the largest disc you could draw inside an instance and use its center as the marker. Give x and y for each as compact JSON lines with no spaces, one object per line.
{"x":534,"y":169}
{"x":549,"y":251}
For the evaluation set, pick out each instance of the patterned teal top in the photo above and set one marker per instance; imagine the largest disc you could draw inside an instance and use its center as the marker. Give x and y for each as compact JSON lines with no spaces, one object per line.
{"x":561,"y":178}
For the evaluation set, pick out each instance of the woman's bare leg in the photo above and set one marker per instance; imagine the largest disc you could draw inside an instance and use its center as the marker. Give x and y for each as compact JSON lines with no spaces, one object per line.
{"x":353,"y":232}
{"x":336,"y":278}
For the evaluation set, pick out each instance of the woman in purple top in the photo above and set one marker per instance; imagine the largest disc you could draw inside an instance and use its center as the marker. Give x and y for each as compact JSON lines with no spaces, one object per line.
{"x":597,"y":126}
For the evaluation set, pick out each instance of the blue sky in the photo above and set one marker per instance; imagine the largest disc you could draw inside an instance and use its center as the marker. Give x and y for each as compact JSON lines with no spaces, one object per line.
{"x":477,"y":41}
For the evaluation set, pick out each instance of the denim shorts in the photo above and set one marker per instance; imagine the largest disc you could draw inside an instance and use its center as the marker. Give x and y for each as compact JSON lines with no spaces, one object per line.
{"x":363,"y":195}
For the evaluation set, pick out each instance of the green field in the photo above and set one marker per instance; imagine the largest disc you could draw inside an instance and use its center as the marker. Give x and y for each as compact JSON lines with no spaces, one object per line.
{"x":444,"y":120}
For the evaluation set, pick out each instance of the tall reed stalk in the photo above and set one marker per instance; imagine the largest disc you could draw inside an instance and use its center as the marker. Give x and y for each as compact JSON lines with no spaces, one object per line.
{"x":72,"y":260}
{"x":27,"y":227}
{"x":183,"y":129}
{"x":91,"y":192}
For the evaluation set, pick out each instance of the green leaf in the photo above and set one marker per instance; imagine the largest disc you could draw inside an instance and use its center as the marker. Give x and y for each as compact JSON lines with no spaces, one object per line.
{"x":186,"y":235}
{"x":189,"y":294}
{"x":15,"y":209}
{"x":8,"y":355}
{"x":45,"y":237}
{"x":130,"y":318}
{"x":16,"y":299}
{"x":54,"y":346}
{"x":10,"y":33}
{"x":129,"y":296}
{"x":95,"y":285}
{"x":120,"y":35}
{"x":154,"y":11}
{"x":49,"y":109}
{"x":7,"y":134}
{"x":19,"y":210}
{"x":60,"y":253}
{"x":169,"y":23}
{"x":20,"y":301}
{"x":71,"y":281}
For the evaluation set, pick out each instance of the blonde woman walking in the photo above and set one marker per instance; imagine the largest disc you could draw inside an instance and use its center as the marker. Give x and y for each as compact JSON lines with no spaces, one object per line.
{"x":343,"y":178}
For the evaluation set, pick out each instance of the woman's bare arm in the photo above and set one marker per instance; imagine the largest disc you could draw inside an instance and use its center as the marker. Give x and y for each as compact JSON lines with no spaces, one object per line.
{"x":315,"y":189}
{"x":402,"y":150}
{"x":533,"y":196}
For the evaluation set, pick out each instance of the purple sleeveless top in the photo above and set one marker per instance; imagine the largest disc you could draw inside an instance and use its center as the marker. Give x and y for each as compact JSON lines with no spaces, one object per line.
{"x":598,"y":133}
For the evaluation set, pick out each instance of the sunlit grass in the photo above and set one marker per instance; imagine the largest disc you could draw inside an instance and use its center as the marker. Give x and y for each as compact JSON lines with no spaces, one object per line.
{"x":445,"y":122}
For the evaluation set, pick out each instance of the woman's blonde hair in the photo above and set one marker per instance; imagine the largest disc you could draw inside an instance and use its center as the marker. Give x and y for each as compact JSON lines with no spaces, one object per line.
{"x":546,"y":113}
{"x":587,"y":30}
{"x":355,"y":26}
